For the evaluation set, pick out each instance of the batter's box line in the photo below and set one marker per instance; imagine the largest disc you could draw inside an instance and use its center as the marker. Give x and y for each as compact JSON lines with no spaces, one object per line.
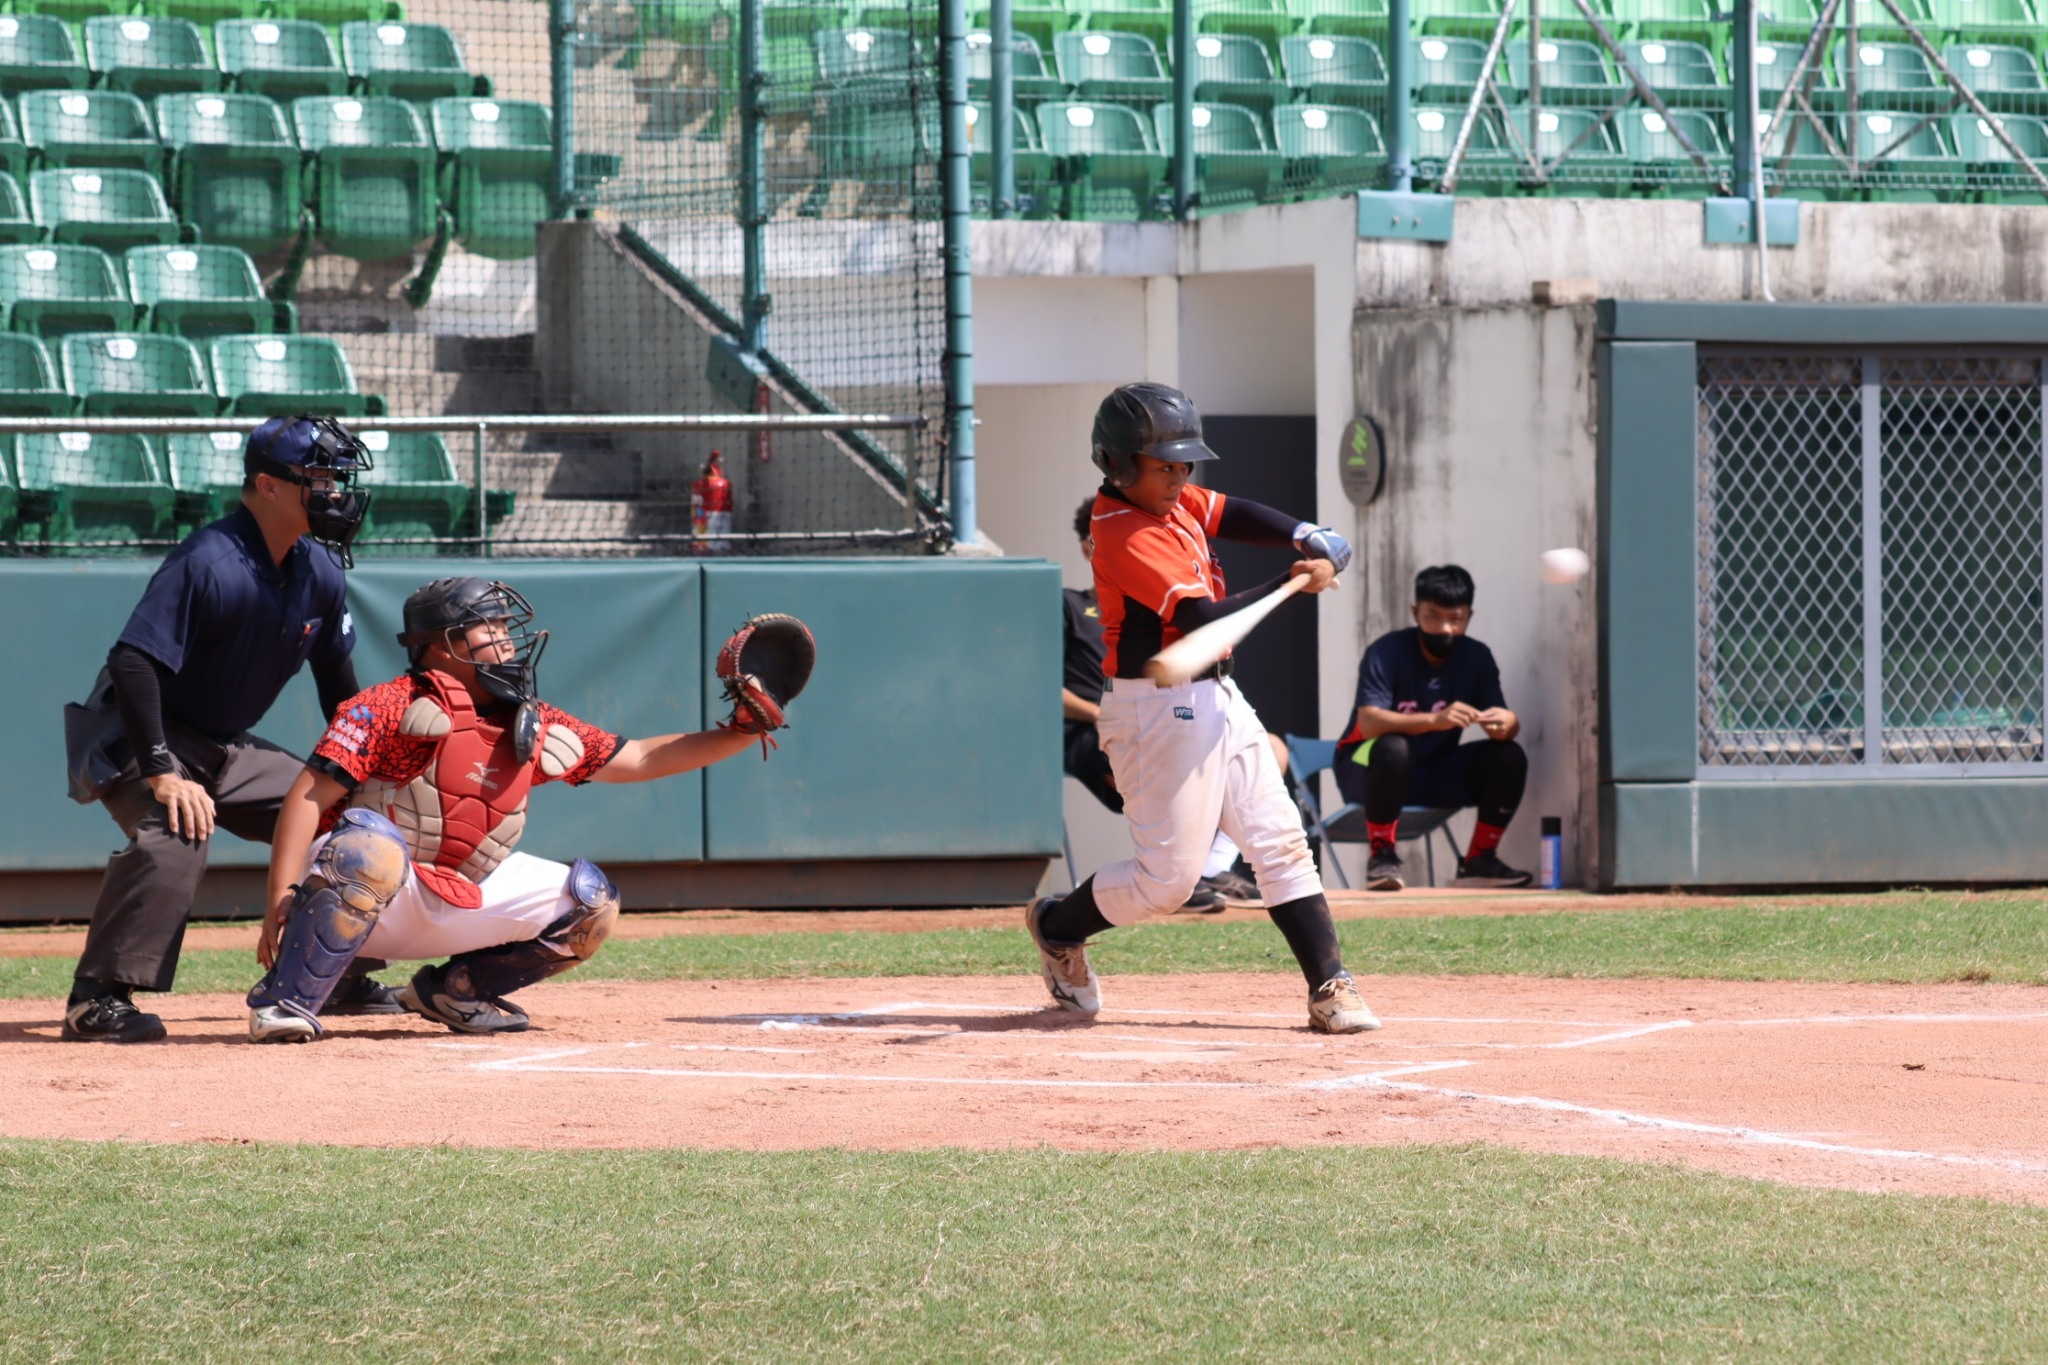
{"x":1389,"y":1080}
{"x":538,"y":1064}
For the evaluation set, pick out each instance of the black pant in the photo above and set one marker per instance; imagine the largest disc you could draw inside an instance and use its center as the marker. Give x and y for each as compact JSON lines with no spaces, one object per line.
{"x":1488,"y":773}
{"x":1087,"y":764}
{"x":138,"y":926}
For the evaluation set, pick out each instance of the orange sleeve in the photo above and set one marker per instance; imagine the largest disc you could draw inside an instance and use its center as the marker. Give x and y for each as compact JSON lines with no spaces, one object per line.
{"x":1153,"y":568}
{"x":1205,"y":505}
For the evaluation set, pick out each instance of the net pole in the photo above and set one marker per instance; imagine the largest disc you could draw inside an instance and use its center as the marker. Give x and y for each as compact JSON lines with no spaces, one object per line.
{"x":753,"y":174}
{"x":956,"y":171}
{"x":562,"y":89}
{"x":1002,"y":89}
{"x":1183,"y":109}
{"x":1400,"y":135}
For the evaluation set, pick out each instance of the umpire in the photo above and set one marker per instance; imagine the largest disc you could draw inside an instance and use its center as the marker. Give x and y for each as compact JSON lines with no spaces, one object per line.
{"x":228,"y":619}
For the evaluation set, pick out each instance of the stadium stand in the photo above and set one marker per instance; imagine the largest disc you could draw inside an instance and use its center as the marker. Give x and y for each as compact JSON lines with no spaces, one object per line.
{"x":84,"y":487}
{"x":414,"y":491}
{"x":419,"y":62}
{"x":149,"y":56}
{"x":135,"y":374}
{"x":202,"y":291}
{"x":37,"y":52}
{"x":52,"y":291}
{"x":29,"y":383}
{"x":281,"y":375}
{"x":495,"y":160}
{"x":283,"y":59}
{"x":1112,"y":167}
{"x":374,"y":166}
{"x":235,"y":168}
{"x":205,"y":470}
{"x":103,"y":128}
{"x":1234,"y":160}
{"x":1335,"y":69}
{"x":110,"y":209}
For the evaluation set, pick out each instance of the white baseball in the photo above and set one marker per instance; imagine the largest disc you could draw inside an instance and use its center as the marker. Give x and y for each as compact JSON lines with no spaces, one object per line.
{"x":1564,"y":566}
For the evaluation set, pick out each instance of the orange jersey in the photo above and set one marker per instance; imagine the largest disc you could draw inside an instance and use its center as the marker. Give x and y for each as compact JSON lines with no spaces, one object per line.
{"x":1144,"y":565}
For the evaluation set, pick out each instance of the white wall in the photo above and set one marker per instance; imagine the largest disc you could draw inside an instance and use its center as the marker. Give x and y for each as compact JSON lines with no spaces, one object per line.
{"x":1247,"y":342}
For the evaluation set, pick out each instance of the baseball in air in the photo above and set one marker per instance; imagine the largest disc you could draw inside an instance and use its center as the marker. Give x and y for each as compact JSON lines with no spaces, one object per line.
{"x":1564,"y":566}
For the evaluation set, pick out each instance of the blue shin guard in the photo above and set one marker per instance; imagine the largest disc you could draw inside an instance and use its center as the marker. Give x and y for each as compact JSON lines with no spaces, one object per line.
{"x":358,"y":871}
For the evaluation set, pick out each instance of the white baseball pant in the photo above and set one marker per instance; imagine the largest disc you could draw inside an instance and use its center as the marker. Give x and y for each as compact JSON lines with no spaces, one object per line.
{"x":1189,"y":760}
{"x":522,"y":896}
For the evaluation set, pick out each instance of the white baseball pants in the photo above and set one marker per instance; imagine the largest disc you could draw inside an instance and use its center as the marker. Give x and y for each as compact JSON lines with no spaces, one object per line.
{"x":522,"y":896}
{"x":1189,"y":760}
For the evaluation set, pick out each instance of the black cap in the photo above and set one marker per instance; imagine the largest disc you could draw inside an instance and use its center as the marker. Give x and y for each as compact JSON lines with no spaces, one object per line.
{"x":1151,"y":419}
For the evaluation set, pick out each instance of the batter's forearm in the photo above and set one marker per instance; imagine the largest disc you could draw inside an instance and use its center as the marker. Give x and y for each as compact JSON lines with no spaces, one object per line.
{"x":1193,"y":612}
{"x":1254,"y":523}
{"x":646,"y":760}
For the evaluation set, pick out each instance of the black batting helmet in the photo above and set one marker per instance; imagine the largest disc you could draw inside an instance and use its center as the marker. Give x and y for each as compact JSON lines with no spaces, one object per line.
{"x":1146,"y":419}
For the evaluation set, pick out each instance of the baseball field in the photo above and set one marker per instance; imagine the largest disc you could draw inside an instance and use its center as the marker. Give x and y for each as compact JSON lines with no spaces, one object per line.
{"x":1672,"y":1128}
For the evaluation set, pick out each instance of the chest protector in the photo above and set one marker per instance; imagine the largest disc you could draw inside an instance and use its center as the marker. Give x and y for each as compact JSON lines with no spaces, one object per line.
{"x":464,"y":813}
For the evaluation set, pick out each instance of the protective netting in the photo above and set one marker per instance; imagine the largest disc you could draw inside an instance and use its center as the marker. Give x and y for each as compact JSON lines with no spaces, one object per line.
{"x":1870,"y":560}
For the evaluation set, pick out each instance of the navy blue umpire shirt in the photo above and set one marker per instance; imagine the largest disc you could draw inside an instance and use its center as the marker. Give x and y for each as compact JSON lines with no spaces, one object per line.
{"x":233,"y":628}
{"x":1395,"y":675}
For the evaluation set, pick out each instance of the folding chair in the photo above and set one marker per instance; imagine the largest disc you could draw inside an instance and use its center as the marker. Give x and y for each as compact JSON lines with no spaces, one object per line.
{"x":1346,"y":825}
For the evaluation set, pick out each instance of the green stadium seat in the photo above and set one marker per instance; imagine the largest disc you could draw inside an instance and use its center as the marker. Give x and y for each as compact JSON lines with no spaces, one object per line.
{"x":497,"y":156}
{"x":1574,"y":73}
{"x":1264,"y":21}
{"x":1456,"y":18}
{"x":1489,"y":167}
{"x":1874,"y":19}
{"x":2014,"y":23}
{"x":235,"y":168}
{"x":136,"y":374}
{"x":284,"y":59}
{"x":1038,"y":20}
{"x":10,"y":500}
{"x":1234,"y":161}
{"x":112,"y":209}
{"x":90,"y":128}
{"x":200,"y":291}
{"x":863,"y":54}
{"x":1111,"y":66}
{"x":29,"y":383}
{"x":1594,"y":164}
{"x":55,"y":290}
{"x":1789,"y":22}
{"x":1922,"y":169}
{"x":407,"y":61}
{"x":1148,"y":19}
{"x":1774,"y":63}
{"x":1037,"y":181}
{"x":1684,"y":74}
{"x":1335,"y":69}
{"x":1329,"y":146}
{"x":1803,"y":166}
{"x":149,"y":57}
{"x":1114,"y":170}
{"x":280,"y":375}
{"x":1446,"y":69}
{"x":202,"y":12}
{"x":336,"y":12}
{"x":1986,"y":158}
{"x":1659,"y":158}
{"x":2007,"y":79}
{"x":414,"y":491}
{"x":1028,"y":73}
{"x":93,"y":487}
{"x":1893,"y":76}
{"x":37,"y":52}
{"x":1231,"y":68}
{"x":1564,"y":19}
{"x":1352,"y":18}
{"x":15,"y":223}
{"x":13,"y":151}
{"x":373,"y":192}
{"x":205,"y":469}
{"x":1662,"y":20}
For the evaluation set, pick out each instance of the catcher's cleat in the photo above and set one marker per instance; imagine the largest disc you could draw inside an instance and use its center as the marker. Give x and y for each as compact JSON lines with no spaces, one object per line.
{"x":1064,"y":966}
{"x":428,"y":995}
{"x":363,"y":995}
{"x":277,"y":1024}
{"x":1337,"y":1007}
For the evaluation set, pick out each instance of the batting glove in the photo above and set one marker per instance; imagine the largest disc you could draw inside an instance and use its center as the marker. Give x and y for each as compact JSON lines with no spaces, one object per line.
{"x":1320,"y":542}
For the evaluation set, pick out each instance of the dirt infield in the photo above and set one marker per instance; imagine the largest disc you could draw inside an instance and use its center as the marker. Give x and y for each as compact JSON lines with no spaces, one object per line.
{"x":1937,"y":1089}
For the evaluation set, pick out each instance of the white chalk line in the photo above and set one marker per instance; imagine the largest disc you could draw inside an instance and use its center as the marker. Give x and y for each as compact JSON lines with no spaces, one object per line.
{"x":537,"y":1065}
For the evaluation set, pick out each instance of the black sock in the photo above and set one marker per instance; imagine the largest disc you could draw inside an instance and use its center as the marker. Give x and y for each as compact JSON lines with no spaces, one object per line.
{"x":1074,"y":917}
{"x":1310,"y":932}
{"x":92,"y":988}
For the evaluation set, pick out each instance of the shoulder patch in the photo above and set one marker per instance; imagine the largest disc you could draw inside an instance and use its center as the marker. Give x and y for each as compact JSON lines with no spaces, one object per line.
{"x":424,"y":719}
{"x":561,"y":749}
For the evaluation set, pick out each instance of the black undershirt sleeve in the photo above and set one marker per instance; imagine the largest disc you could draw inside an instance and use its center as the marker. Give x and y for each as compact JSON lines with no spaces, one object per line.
{"x":138,"y":689}
{"x":1254,"y":523}
{"x":1200,"y":611}
{"x":336,"y":684}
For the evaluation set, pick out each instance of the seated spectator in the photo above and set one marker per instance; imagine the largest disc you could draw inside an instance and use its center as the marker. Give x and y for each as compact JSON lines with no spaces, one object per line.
{"x":1418,"y":690}
{"x":1081,"y":703}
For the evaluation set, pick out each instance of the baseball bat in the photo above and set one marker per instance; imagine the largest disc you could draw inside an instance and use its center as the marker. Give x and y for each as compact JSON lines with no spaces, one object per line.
{"x":1204,"y":645}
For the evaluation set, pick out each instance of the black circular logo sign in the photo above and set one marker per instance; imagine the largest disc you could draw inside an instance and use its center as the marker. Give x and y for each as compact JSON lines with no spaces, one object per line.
{"x":1362,"y":461}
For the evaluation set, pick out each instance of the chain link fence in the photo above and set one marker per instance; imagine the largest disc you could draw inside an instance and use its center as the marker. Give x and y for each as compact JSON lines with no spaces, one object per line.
{"x":1870,"y":559}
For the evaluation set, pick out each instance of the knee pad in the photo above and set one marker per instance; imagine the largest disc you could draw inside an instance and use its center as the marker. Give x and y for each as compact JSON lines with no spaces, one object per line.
{"x":364,"y":860}
{"x":598,"y":900}
{"x":573,"y":938}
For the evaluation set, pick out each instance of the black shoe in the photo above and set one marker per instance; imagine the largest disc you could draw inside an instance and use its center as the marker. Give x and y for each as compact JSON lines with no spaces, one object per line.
{"x":1383,"y":873}
{"x":1233,"y":886}
{"x":1488,"y":870}
{"x":110,"y":1018}
{"x":1205,"y":901}
{"x":362,"y":995}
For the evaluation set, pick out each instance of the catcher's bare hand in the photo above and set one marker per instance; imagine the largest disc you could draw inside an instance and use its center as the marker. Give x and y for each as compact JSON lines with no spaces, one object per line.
{"x":188,"y":807}
{"x":273,"y":930}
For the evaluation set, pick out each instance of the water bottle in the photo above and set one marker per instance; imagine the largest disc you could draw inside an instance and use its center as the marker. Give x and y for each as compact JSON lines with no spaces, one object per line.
{"x":1551,"y":876}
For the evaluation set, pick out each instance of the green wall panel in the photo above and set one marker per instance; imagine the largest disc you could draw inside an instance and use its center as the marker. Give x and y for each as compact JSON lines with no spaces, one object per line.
{"x":1648,"y":668}
{"x":1826,"y":324}
{"x":931,"y":728}
{"x":1793,"y":833}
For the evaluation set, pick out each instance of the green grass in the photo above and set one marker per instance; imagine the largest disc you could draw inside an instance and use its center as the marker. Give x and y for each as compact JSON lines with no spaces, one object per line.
{"x":1902,"y":936}
{"x":283,"y":1254}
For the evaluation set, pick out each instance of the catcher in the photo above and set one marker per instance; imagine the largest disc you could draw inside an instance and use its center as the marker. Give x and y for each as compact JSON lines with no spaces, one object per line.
{"x":397,"y":840}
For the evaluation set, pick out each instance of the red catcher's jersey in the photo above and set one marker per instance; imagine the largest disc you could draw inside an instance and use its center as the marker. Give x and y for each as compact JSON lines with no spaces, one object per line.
{"x":1144,"y":565}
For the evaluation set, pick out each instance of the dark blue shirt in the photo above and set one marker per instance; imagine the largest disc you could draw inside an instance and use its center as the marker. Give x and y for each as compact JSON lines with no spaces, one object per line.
{"x":233,"y":628}
{"x":1395,"y":675}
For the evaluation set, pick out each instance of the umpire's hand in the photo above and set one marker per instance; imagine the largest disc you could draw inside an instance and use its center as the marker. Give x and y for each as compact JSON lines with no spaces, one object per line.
{"x":188,"y":806}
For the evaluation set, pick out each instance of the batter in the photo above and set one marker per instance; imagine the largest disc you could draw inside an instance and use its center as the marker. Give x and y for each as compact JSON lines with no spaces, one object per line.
{"x":1190,"y":758}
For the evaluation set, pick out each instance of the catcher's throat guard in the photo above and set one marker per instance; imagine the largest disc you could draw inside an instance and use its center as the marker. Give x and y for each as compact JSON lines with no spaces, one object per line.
{"x":764,"y":666}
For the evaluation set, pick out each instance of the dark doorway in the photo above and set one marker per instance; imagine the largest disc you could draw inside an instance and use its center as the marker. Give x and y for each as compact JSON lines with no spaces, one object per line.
{"x":1270,"y":460}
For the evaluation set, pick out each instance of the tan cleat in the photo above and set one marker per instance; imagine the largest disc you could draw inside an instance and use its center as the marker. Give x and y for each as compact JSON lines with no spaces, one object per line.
{"x":1064,"y":966}
{"x":1337,"y":1007}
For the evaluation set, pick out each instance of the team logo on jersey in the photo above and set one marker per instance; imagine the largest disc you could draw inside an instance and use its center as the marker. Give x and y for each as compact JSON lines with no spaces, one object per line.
{"x":482,"y":775}
{"x":1183,"y":713}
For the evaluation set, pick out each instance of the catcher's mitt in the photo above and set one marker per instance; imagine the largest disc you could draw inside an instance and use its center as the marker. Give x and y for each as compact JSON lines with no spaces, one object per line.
{"x":764,"y":665}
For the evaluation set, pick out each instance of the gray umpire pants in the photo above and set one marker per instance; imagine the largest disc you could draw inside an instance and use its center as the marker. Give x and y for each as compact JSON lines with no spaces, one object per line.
{"x":138,"y":926}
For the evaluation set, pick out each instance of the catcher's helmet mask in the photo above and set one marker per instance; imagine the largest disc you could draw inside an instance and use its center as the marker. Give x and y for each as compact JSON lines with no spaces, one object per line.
{"x":1146,"y":419}
{"x":444,"y":611}
{"x":295,"y":450}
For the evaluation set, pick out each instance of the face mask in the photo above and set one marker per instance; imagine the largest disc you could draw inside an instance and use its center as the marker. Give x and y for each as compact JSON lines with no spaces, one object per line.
{"x":333,"y":518}
{"x":1439,"y":646}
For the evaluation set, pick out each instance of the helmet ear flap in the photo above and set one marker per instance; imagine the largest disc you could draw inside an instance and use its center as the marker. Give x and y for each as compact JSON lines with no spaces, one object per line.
{"x":1117,"y":472}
